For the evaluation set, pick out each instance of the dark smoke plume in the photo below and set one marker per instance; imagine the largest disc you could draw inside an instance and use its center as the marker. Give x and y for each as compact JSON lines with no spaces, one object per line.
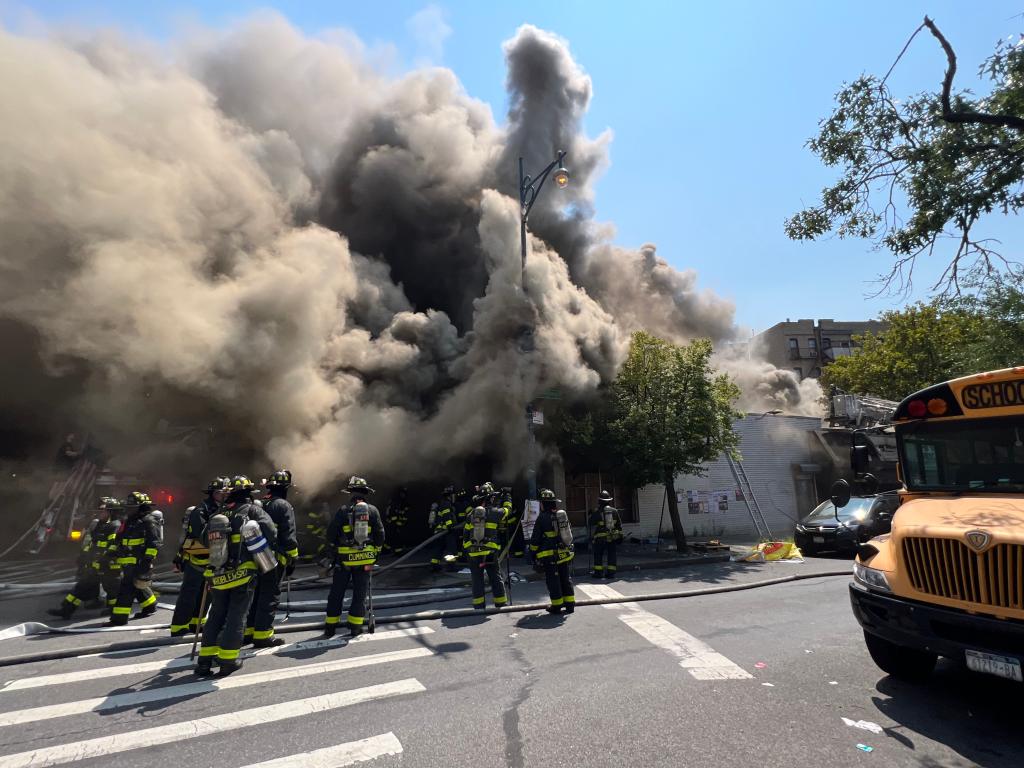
{"x":262,"y":234}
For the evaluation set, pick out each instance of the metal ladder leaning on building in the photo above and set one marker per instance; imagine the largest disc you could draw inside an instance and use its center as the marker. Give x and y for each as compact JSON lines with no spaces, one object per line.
{"x":743,"y":483}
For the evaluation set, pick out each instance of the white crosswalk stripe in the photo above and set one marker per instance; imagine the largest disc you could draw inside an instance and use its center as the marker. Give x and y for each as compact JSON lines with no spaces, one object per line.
{"x":117,"y":701}
{"x":699,"y":659}
{"x":339,"y":756}
{"x":183,"y":662}
{"x":190,"y":729}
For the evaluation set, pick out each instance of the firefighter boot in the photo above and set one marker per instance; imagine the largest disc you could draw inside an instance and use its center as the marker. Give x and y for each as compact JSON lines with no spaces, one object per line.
{"x":268,"y":642}
{"x":205,"y":667}
{"x":227,"y":667}
{"x":64,"y":612}
{"x":145,"y":612}
{"x":330,"y":629}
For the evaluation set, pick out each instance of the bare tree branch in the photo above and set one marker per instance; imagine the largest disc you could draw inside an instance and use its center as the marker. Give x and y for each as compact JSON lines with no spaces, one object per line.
{"x":948,"y":113}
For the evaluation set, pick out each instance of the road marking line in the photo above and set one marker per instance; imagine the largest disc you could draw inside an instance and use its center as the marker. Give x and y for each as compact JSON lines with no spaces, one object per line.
{"x":183,"y":662}
{"x":339,"y":756}
{"x":183,"y":690}
{"x":166,"y":734}
{"x":696,"y":657}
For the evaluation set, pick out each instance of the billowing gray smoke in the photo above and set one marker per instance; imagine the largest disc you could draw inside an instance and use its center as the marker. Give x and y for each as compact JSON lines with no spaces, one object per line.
{"x":262,"y":234}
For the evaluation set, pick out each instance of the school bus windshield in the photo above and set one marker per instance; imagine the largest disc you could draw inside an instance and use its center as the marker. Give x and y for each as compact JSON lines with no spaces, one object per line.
{"x":963,"y":455}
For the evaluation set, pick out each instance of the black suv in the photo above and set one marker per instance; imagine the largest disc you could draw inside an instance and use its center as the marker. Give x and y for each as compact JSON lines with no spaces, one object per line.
{"x":863,"y":518}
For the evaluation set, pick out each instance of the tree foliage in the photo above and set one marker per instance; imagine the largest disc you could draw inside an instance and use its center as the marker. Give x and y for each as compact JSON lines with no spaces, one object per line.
{"x":929,"y":343}
{"x":922,"y":171}
{"x":670,"y":413}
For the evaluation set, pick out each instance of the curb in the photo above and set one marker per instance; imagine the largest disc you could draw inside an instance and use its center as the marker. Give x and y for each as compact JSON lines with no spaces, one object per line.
{"x":675,"y":562}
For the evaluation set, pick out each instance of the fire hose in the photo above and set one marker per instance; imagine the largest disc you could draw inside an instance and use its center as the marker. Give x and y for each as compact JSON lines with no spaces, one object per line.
{"x":422,"y":616}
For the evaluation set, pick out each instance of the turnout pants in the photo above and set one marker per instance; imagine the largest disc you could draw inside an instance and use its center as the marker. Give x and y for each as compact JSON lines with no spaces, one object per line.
{"x":560,"y":584}
{"x":477,"y":567}
{"x":360,"y":580}
{"x":603,"y":548}
{"x":87,"y":587}
{"x":438,"y":550}
{"x":260,"y":624}
{"x":127,"y":594}
{"x":186,"y":609}
{"x":225,"y":625}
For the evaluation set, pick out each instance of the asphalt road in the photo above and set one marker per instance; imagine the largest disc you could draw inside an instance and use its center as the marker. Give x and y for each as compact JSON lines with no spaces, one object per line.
{"x":754,"y":677}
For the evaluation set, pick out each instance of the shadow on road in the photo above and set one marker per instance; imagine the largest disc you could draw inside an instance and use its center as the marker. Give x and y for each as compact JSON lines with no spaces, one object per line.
{"x":972,"y":714}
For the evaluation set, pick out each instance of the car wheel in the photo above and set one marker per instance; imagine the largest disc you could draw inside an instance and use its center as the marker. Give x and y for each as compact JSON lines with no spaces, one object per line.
{"x":905,"y":663}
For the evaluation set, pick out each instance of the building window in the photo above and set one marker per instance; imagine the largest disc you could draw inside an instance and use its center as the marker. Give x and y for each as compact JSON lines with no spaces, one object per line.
{"x":844,"y":345}
{"x":799,"y":373}
{"x":582,"y":489}
{"x":812,"y":345}
{"x":826,"y":343}
{"x":794,"y":349}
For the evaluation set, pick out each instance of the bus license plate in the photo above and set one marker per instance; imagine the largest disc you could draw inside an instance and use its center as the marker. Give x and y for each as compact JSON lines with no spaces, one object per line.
{"x":818,"y":539}
{"x":990,"y":664}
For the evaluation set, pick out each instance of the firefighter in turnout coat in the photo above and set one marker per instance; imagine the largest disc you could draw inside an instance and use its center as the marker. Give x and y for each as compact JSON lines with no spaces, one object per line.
{"x":606,"y":527}
{"x":96,"y":567}
{"x":354,"y":537}
{"x":260,"y":625}
{"x":481,"y":543}
{"x":137,"y":547}
{"x":238,"y":538}
{"x":441,"y":520}
{"x":551,"y":545}
{"x":193,"y":558}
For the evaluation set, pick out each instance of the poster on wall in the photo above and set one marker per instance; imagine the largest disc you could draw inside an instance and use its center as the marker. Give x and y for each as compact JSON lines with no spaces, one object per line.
{"x":739,"y":494}
{"x":721,"y":499}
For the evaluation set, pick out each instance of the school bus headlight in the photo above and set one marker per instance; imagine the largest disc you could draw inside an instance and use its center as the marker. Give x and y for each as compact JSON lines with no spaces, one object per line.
{"x":872,"y":578}
{"x":937,"y":406}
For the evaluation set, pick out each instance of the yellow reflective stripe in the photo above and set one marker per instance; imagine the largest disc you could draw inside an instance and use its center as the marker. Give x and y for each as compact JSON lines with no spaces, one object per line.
{"x":236,"y":538}
{"x":101,"y":544}
{"x":120,"y":610}
{"x":209,"y":650}
{"x":262,"y":634}
{"x":129,"y":560}
{"x":357,"y":620}
{"x":73,"y":600}
{"x":179,"y":627}
{"x":293,"y":552}
{"x":282,"y":559}
{"x":570,"y":598}
{"x":225,"y":655}
{"x":332,"y":620}
{"x":148,"y":601}
{"x":150,"y":552}
{"x":133,"y":542}
{"x":557,"y":602}
{"x":479,"y":600}
{"x":546,"y":553}
{"x":248,"y":632}
{"x":500,"y":600}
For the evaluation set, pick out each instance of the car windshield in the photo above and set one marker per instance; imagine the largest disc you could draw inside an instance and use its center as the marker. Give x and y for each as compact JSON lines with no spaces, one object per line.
{"x":857,"y":509}
{"x":963,"y":455}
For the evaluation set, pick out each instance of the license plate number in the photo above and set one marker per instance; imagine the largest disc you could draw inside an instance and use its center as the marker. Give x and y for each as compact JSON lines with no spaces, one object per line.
{"x":990,"y":664}
{"x":818,"y":539}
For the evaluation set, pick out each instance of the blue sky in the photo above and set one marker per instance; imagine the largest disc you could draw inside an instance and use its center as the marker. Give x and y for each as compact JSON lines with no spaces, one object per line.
{"x":710,"y":106}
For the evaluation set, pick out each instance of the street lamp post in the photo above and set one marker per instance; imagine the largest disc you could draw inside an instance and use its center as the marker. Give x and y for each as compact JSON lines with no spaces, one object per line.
{"x":529,"y":189}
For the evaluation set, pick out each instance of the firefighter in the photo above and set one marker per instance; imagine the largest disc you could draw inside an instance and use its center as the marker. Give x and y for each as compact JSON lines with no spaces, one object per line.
{"x":95,"y":566}
{"x":441,"y":520}
{"x":481,"y":543}
{"x":193,"y":557}
{"x":551,"y":546}
{"x":139,"y":544}
{"x":238,"y":538}
{"x":354,"y":538}
{"x":260,"y":624}
{"x":397,"y":520}
{"x":606,"y":526}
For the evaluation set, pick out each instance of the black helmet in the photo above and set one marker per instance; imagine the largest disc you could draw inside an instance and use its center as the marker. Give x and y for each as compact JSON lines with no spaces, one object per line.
{"x":282,"y":478}
{"x":358,"y":485}
{"x":605,"y":496}
{"x":111,"y":504}
{"x":222,"y":483}
{"x":449,"y":490}
{"x":138,"y":499}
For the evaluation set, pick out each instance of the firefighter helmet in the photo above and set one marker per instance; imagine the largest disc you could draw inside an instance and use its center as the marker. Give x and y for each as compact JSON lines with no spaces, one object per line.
{"x":486,"y":489}
{"x":449,"y":490}
{"x":605,"y":496}
{"x":281,"y":478}
{"x":218,"y":484}
{"x":546,"y":494}
{"x":358,"y":485}
{"x":241,"y":483}
{"x":138,"y":499}
{"x":109,"y":502}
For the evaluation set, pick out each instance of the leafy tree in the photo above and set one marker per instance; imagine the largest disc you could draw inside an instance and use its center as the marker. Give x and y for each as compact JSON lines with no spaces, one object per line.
{"x":923,"y":345}
{"x":997,"y":340}
{"x":927,"y":168}
{"x":670,"y":413}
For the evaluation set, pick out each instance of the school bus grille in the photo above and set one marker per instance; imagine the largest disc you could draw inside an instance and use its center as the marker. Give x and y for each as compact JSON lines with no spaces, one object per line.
{"x":949,"y":568}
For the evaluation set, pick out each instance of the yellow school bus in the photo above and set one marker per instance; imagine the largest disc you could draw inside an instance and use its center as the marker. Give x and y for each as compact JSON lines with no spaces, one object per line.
{"x":949,"y":579}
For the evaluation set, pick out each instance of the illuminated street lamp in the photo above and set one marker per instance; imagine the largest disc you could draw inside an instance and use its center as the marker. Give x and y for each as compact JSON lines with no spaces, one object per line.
{"x":529,"y":188}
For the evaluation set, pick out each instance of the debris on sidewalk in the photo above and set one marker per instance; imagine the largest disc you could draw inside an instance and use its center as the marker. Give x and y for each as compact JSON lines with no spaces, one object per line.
{"x":864,"y":725}
{"x":770,"y":551}
{"x":865,"y":748}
